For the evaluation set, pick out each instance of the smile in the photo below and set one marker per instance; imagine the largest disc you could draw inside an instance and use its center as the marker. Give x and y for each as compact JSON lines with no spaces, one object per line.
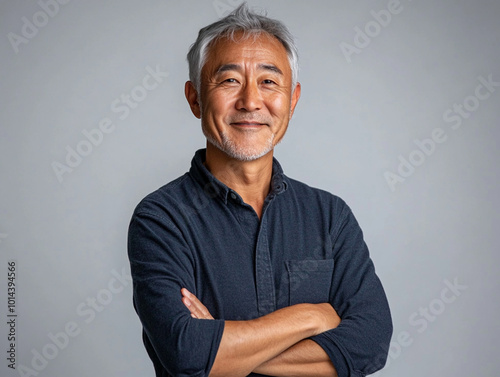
{"x":248,"y":124}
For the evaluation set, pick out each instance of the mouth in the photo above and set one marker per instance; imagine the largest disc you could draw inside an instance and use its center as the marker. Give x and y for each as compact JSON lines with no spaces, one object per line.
{"x":245,"y":123}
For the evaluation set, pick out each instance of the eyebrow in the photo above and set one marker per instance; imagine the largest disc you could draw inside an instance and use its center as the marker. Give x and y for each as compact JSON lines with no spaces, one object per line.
{"x":271,"y":67}
{"x":228,"y":67}
{"x":237,"y":67}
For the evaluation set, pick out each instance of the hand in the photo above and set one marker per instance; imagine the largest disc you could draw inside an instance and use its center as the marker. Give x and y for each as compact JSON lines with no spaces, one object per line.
{"x":197,"y":309}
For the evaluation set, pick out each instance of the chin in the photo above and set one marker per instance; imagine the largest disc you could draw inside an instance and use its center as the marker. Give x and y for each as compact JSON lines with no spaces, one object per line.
{"x":247,"y":155}
{"x":241,"y":152}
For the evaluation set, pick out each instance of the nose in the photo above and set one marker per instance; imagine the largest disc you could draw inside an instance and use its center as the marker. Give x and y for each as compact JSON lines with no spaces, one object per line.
{"x":250,"y":98}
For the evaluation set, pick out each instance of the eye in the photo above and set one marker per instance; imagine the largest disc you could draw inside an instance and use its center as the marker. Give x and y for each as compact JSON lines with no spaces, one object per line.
{"x":268,"y":82}
{"x":230,"y":81}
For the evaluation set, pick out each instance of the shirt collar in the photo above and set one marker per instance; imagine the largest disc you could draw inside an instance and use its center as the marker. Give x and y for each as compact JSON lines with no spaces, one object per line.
{"x":215,"y":188}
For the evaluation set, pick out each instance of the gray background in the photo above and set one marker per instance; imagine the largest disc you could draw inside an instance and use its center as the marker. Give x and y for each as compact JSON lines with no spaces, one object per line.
{"x":354,"y":121}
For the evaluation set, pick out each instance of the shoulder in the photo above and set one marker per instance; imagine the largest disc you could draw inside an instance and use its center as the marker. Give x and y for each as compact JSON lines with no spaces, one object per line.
{"x":318,"y":206}
{"x":163,"y":200}
{"x":315,"y":196}
{"x":322,"y":206}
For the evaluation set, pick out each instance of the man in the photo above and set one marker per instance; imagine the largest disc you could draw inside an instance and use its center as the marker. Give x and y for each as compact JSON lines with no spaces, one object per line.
{"x":239,"y":270}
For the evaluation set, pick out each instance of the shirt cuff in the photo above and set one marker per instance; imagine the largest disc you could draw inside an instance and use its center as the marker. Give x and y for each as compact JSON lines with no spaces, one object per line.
{"x":334,"y":352}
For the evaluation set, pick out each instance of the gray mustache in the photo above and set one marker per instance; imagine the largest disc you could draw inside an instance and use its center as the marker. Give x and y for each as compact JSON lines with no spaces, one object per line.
{"x":248,"y":118}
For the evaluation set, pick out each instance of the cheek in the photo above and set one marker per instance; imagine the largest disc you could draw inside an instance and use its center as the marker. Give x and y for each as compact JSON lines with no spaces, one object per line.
{"x":219,"y":105}
{"x":279,"y":106}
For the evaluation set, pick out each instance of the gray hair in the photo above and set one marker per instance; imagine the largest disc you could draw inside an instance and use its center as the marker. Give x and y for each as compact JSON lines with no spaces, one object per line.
{"x":241,"y":19}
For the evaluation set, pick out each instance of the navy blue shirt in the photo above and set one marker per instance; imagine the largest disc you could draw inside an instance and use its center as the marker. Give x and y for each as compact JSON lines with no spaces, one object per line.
{"x":197,"y":233}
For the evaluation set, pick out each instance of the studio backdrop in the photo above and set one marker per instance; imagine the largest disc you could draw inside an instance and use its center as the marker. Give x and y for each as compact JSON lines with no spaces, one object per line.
{"x":399,"y":116}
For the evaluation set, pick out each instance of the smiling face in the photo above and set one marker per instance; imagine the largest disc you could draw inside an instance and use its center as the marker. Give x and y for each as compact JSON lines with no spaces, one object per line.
{"x":246,"y":96}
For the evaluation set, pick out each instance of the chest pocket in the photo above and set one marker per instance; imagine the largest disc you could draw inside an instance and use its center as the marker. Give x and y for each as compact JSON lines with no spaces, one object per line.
{"x":309,"y":280}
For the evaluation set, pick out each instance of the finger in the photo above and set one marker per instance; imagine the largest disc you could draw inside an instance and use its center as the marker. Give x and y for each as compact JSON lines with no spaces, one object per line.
{"x":189,"y":305}
{"x":186,"y":293}
{"x":197,"y":309}
{"x":187,"y":302}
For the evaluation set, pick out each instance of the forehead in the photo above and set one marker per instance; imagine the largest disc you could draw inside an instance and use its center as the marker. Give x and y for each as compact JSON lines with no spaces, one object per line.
{"x":247,"y":49}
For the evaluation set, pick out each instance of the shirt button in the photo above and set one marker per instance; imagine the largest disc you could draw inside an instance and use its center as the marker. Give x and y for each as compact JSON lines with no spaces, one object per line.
{"x":233,"y":195}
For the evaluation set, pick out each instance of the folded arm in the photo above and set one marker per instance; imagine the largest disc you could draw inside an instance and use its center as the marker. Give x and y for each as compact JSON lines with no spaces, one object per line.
{"x":306,"y":358}
{"x":274,"y":344}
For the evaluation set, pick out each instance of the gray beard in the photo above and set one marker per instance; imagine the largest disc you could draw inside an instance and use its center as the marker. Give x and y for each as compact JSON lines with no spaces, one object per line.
{"x":240,"y":153}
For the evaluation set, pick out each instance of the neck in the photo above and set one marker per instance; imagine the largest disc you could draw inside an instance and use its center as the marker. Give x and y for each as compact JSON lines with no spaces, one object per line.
{"x":250,"y":179}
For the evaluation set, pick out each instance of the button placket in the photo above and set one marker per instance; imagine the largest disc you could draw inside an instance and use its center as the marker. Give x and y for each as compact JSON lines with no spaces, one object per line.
{"x":266,"y":300}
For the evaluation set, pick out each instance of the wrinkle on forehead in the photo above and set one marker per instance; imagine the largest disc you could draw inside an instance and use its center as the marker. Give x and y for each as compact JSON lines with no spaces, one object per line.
{"x":261,"y":44}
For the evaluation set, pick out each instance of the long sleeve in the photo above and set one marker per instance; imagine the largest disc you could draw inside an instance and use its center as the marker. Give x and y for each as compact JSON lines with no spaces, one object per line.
{"x":161,"y":264}
{"x":359,"y":346}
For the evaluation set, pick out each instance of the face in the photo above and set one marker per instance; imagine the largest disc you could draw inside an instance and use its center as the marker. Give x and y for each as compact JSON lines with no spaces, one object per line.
{"x":246,"y":96}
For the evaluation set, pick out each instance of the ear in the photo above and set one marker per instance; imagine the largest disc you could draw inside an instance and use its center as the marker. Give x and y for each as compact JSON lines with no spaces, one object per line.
{"x":192,"y":98}
{"x":295,"y":98}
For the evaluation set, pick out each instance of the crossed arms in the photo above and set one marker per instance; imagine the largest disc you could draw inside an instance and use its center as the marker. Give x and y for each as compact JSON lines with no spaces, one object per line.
{"x":275,"y":344}
{"x":185,"y":341}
